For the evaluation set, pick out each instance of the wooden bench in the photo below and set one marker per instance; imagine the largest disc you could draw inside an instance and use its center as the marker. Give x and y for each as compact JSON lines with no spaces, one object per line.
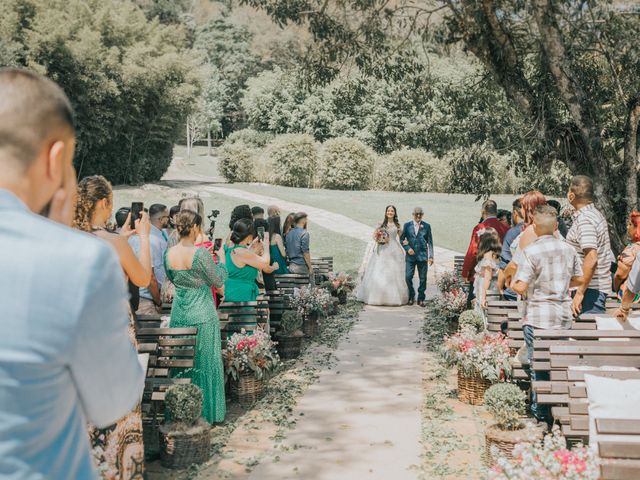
{"x":277,"y":306}
{"x":322,"y":268}
{"x":498,"y":313}
{"x":458,"y":263}
{"x":620,"y":460}
{"x":287,"y":284}
{"x":237,"y":316}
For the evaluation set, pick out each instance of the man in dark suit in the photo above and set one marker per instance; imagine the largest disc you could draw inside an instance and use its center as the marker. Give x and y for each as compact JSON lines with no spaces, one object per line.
{"x":417,"y":241}
{"x":489,"y":220}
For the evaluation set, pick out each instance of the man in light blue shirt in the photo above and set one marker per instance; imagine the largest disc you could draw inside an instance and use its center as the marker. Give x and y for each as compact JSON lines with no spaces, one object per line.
{"x":65,"y":355}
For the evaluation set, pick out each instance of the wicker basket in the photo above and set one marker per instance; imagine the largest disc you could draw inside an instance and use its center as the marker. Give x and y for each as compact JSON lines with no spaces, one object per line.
{"x":310,"y":326}
{"x":505,"y":440}
{"x":182,"y":449}
{"x":247,"y":390}
{"x":471,"y":389}
{"x":289,"y":347}
{"x":342,"y":298}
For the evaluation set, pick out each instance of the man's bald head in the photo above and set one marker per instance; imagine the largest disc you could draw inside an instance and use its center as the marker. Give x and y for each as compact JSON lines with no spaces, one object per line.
{"x":33,"y":110}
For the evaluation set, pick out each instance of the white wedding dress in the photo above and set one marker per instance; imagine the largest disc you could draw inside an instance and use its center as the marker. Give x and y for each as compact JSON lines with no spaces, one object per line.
{"x":382,"y":281}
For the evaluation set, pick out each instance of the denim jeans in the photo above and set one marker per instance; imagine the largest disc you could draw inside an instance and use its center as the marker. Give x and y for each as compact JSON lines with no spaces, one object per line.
{"x":510,"y":295}
{"x":540,"y":412}
{"x":594,"y":301}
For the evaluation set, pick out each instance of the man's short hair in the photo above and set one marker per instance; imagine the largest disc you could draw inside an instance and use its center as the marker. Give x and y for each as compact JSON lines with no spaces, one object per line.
{"x":545,"y":216}
{"x":173,"y":210}
{"x":299,"y":216}
{"x":490,"y":207}
{"x":257,"y":211}
{"x":32,"y":109}
{"x":156,"y":210}
{"x":555,"y":204}
{"x":121,"y":216}
{"x":582,"y":187}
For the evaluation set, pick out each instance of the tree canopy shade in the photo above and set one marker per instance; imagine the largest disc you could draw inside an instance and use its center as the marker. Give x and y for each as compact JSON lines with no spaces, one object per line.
{"x":131,"y":80}
{"x":568,"y":68}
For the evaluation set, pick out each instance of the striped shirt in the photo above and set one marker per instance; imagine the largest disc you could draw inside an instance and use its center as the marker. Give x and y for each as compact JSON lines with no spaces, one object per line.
{"x":547,"y":266}
{"x":590,"y":231}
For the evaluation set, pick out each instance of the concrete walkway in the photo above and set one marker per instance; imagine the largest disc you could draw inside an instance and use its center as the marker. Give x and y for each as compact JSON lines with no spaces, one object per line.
{"x":362,"y":418}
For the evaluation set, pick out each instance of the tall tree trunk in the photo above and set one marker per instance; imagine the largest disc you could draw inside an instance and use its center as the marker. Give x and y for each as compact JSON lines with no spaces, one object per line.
{"x":188,"y":141}
{"x":630,"y":165}
{"x":209,"y":142}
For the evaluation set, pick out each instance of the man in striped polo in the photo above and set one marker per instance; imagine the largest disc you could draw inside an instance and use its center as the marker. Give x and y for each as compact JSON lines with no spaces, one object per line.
{"x":589,"y":235}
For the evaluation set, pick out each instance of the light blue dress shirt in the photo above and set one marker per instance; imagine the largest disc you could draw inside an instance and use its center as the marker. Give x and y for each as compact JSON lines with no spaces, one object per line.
{"x":158,"y":245}
{"x":65,"y":355}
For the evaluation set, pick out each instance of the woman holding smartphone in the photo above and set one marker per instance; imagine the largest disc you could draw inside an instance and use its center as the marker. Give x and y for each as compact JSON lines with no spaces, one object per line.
{"x":243,"y":264}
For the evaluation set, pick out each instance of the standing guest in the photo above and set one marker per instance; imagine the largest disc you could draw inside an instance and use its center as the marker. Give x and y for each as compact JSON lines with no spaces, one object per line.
{"x":273,"y":211}
{"x":65,"y":356}
{"x":517,"y":215}
{"x":486,"y":268}
{"x":265,"y":280}
{"x":628,"y":256}
{"x":243,"y":264}
{"x":117,"y":450}
{"x":589,"y":235}
{"x":297,"y":244}
{"x":257,"y":213}
{"x":549,"y":268}
{"x":505,"y":217}
{"x":277,"y":250}
{"x":193,"y":272}
{"x":121,"y":217}
{"x":193,"y":204}
{"x":489,"y":220}
{"x":288,"y":225}
{"x":238,"y":213}
{"x":562,"y":225}
{"x":171,"y":226}
{"x":417,"y":241}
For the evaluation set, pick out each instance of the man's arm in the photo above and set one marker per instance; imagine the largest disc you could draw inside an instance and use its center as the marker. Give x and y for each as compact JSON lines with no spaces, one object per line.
{"x":633,"y":288}
{"x":430,"y":243}
{"x":103,"y":362}
{"x":403,"y":237}
{"x":520,"y":287}
{"x":305,"y":245}
{"x":588,"y":267}
{"x":524,"y":276}
{"x":470,"y":257}
{"x":154,"y":289}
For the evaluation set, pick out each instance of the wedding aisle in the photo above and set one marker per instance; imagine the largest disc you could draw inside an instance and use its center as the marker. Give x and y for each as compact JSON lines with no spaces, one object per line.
{"x":362,"y":418}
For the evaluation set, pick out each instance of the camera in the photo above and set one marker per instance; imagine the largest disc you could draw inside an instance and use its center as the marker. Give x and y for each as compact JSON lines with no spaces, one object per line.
{"x":212,"y":222}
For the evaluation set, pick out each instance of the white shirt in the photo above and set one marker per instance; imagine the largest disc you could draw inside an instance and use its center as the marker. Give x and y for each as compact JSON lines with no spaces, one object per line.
{"x":416,"y":227}
{"x":65,"y":354}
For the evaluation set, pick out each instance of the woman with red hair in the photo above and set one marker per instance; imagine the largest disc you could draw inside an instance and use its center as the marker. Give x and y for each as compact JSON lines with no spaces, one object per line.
{"x":529,"y":202}
{"x":628,"y":255}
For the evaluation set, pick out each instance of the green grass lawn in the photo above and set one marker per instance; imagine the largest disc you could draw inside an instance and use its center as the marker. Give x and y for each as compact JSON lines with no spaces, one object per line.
{"x":346,"y":251}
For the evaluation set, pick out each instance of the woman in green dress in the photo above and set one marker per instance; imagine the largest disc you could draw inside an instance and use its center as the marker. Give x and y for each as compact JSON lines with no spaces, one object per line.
{"x":243,"y":263}
{"x":277,"y":250}
{"x":193,"y":272}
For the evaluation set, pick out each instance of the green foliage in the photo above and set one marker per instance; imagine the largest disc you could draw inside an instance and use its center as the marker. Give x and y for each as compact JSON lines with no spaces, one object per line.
{"x":472,"y":320}
{"x":346,"y":164}
{"x":131,"y":81}
{"x":290,"y":323}
{"x":237,"y":163}
{"x":506,"y":403}
{"x":250,"y":137}
{"x":293,"y":160}
{"x":184,"y":403}
{"x":412,"y":170}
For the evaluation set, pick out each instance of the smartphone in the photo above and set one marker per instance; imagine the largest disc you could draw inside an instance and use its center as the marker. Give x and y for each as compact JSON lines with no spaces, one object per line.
{"x":217,"y":244}
{"x":261,"y":233}
{"x":136,"y":210}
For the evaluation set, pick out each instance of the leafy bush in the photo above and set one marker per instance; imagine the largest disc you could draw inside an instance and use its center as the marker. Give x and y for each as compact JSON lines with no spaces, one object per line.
{"x":293,"y":159}
{"x":237,"y":162}
{"x":471,"y":319}
{"x":347,"y":164}
{"x":412,"y":170}
{"x":448,"y":281}
{"x":184,"y":403}
{"x":506,"y":403}
{"x":291,"y":323}
{"x":250,"y":137}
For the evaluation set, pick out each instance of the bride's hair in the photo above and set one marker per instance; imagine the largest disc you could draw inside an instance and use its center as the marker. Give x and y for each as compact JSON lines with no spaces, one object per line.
{"x":395,"y":217}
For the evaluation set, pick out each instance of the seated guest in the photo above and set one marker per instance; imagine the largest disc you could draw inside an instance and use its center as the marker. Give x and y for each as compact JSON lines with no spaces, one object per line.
{"x":297,"y":246}
{"x":243,"y":264}
{"x":628,"y":255}
{"x":193,"y":273}
{"x":505,"y":217}
{"x":257,"y":213}
{"x":273,"y":211}
{"x":505,"y":255}
{"x":562,"y":225}
{"x":65,"y":354}
{"x":549,"y":268}
{"x":288,"y":224}
{"x":277,"y":249}
{"x":93,"y":209}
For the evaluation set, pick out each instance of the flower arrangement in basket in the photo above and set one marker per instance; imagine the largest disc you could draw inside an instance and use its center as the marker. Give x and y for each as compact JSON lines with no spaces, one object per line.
{"x":248,"y":360}
{"x":310,"y":301}
{"x":482,"y":359}
{"x":381,"y":236}
{"x":471,"y":319}
{"x":341,"y":285}
{"x":450,"y":305}
{"x":549,"y":459}
{"x":184,"y":437}
{"x":448,"y":281}
{"x":506,"y":402}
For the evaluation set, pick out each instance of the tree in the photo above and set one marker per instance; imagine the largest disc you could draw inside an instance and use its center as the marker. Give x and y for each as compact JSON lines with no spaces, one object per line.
{"x":131,"y":81}
{"x":568,"y":68}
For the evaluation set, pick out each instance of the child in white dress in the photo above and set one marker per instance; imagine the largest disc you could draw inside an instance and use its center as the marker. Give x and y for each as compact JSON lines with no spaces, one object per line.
{"x":486,"y":278}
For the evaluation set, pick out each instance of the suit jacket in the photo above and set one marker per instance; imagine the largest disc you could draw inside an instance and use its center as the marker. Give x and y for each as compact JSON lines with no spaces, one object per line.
{"x":422,"y":244}
{"x":470,"y":260}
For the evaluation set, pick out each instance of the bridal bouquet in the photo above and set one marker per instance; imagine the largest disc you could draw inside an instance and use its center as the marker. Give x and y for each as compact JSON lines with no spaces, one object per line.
{"x":381,"y":236}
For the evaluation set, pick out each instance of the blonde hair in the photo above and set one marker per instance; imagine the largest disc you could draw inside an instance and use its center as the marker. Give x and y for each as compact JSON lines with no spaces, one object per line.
{"x":90,"y":191}
{"x":194,"y":204}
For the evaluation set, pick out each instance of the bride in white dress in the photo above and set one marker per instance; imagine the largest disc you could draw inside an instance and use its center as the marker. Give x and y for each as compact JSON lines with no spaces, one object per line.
{"x":383,"y":282}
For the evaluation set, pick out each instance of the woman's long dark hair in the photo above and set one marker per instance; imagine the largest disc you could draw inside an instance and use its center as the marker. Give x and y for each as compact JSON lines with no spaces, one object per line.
{"x":274,"y":227}
{"x":489,"y":241}
{"x":395,"y":217}
{"x":288,"y":224}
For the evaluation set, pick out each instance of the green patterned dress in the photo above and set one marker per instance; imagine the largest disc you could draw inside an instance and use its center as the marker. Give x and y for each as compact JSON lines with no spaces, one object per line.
{"x":193,"y":307}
